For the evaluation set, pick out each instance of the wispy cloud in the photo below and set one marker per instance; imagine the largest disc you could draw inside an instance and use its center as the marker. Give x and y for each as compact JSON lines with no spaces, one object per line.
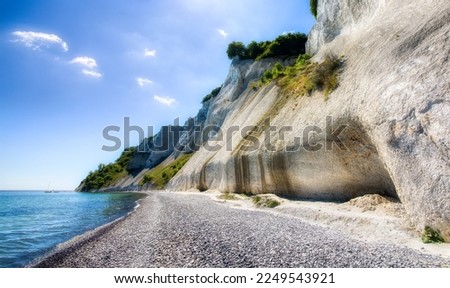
{"x":92,"y":73}
{"x":149,"y":53}
{"x":85,"y":61}
{"x":36,"y":40}
{"x":165,"y":100}
{"x":222,"y":33}
{"x":143,"y":81}
{"x":89,"y":64}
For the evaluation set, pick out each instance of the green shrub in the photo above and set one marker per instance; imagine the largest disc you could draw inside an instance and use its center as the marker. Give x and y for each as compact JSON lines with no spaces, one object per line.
{"x":302,"y":60}
{"x":254,"y":49}
{"x":272,"y":203}
{"x":211,"y":95}
{"x":313,"y":7}
{"x":286,"y":45}
{"x":269,"y":75}
{"x":278,"y":68}
{"x":161,"y":175}
{"x":256,"y":199}
{"x":290,"y":44}
{"x":107,"y":175}
{"x":430,"y":235}
{"x":265,"y":202}
{"x":325,"y":76}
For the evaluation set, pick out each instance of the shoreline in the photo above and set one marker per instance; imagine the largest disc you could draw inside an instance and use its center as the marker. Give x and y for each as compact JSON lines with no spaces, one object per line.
{"x":57,"y":253}
{"x":150,"y":237}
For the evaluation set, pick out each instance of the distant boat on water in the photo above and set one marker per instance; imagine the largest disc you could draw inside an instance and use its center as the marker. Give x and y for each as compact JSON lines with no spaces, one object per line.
{"x":49,"y":191}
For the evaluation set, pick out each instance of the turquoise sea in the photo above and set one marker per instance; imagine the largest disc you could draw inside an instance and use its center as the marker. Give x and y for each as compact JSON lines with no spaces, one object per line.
{"x":34,"y":222}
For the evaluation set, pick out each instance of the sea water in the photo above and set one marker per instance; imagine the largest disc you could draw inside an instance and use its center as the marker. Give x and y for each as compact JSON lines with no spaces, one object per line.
{"x":34,"y":222}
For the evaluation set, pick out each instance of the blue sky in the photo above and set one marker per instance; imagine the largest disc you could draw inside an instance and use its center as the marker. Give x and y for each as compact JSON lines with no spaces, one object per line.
{"x":71,"y":68}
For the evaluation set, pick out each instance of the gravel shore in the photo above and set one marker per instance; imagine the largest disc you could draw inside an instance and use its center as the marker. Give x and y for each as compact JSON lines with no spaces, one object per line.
{"x":192,"y":230}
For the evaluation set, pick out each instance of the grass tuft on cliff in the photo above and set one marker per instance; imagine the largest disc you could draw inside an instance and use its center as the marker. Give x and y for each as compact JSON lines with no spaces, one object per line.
{"x":110,"y":174}
{"x":161,"y":175}
{"x":320,"y":77}
{"x":304,"y":77}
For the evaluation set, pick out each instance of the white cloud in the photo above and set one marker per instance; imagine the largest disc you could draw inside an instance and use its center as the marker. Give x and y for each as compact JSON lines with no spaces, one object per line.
{"x":223,"y":33}
{"x":89,"y":65}
{"x":165,"y":100}
{"x":149,"y":53}
{"x":91,"y":73}
{"x":35,"y":40}
{"x":143,"y":81}
{"x":87,"y":62}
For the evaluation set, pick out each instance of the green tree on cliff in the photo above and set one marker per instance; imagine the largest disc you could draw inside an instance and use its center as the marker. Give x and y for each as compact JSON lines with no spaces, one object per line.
{"x":313,"y":6}
{"x":236,"y":49}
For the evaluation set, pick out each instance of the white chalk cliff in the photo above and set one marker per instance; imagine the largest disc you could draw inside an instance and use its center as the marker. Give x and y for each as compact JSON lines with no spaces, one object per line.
{"x":394,"y":95}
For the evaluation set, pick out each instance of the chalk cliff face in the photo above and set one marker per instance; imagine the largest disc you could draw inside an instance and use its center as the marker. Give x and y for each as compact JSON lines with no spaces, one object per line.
{"x":340,"y":17}
{"x":385,"y":129}
{"x":394,"y":97}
